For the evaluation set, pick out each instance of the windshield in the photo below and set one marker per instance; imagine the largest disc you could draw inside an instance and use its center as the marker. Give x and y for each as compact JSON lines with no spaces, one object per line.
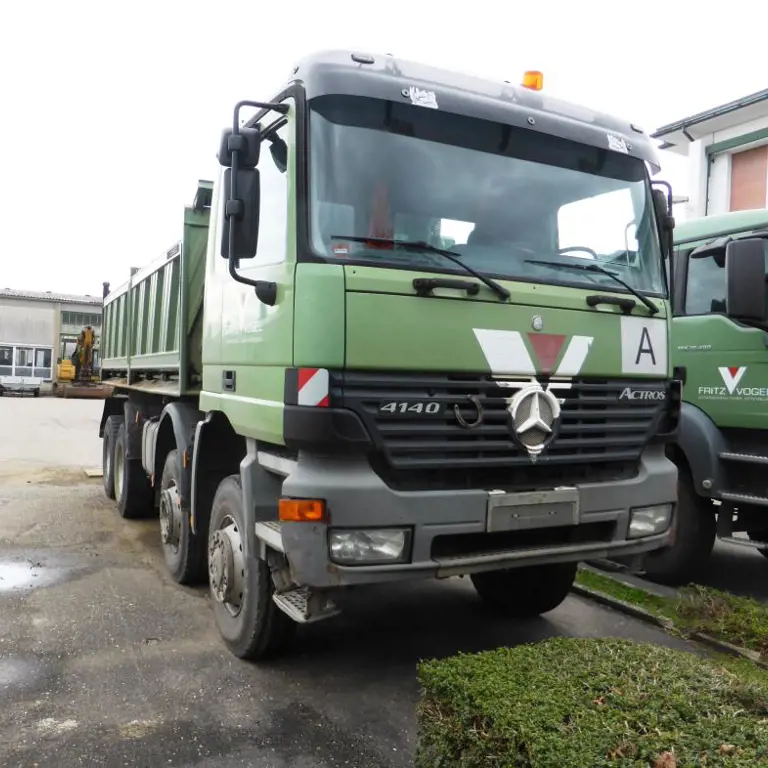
{"x":502,"y":198}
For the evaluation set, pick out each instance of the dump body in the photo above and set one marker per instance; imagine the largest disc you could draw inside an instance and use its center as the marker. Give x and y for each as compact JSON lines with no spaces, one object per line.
{"x":153,"y":322}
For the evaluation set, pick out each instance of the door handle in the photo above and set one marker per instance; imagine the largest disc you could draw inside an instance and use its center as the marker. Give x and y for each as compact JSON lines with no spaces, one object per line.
{"x":228,"y":381}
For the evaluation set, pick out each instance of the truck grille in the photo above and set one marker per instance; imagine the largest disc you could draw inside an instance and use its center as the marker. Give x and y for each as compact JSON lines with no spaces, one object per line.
{"x":596,"y":428}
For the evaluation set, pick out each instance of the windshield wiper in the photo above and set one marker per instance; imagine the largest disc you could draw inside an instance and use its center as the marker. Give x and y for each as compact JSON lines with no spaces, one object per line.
{"x":652,"y":308}
{"x":420,"y":246}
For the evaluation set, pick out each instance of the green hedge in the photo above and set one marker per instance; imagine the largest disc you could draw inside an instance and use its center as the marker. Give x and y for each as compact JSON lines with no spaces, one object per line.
{"x":586,"y":703}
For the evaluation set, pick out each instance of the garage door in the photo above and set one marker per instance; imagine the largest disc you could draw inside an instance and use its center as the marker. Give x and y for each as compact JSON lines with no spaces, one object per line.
{"x":749,"y":173}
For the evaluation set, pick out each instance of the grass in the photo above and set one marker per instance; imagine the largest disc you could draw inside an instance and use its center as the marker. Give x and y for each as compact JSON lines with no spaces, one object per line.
{"x":578,"y":703}
{"x":740,"y":621}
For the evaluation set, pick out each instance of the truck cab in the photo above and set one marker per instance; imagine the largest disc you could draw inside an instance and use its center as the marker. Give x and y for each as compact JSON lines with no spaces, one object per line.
{"x":720,"y":346}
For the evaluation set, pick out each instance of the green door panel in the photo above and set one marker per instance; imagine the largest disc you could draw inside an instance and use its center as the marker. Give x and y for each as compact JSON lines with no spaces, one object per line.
{"x":727,"y":369}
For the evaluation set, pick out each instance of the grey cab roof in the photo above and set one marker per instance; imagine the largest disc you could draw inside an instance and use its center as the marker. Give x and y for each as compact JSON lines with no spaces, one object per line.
{"x":390,"y":78}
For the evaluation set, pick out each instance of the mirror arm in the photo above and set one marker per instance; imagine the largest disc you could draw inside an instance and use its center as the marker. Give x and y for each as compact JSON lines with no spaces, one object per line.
{"x":266,"y":290}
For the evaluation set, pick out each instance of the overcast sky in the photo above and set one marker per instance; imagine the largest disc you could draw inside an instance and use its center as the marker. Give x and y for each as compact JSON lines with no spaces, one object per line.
{"x":110,"y":116}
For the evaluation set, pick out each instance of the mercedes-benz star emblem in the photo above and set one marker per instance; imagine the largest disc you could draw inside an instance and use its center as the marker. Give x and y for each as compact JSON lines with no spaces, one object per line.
{"x":537,"y":322}
{"x":534,"y":412}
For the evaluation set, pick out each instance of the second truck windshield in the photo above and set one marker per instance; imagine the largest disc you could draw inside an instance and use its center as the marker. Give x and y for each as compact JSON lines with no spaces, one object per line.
{"x":310,"y":400}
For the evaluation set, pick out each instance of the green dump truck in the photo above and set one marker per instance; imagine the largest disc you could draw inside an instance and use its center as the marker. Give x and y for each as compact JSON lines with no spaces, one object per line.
{"x":314,"y":391}
{"x":720,"y":345}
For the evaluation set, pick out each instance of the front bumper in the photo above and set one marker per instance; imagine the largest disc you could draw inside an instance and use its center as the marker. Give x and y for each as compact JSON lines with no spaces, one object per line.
{"x":449,"y":528}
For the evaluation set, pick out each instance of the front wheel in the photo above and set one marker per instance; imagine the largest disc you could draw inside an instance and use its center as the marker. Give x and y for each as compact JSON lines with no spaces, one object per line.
{"x":526,"y":592}
{"x":241,"y":588}
{"x":693,"y":537}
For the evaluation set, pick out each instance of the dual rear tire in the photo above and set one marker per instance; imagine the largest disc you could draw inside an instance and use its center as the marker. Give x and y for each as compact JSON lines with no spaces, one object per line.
{"x":124,"y":478}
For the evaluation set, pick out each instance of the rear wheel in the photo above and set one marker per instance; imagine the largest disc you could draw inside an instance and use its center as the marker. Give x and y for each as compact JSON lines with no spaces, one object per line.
{"x":693,"y":536}
{"x":132,"y":489}
{"x":111,"y":425}
{"x":249,"y":622}
{"x":525,"y":592}
{"x":184,"y":552}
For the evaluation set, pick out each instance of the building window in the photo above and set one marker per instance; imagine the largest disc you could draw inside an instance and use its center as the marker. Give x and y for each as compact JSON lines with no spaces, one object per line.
{"x":80,"y":319}
{"x":749,"y":174}
{"x":24,"y":360}
{"x":6,"y":361}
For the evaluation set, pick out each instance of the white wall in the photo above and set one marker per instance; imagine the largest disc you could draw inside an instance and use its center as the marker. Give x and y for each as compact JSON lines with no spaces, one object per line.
{"x":28,"y":322}
{"x":719,"y":191}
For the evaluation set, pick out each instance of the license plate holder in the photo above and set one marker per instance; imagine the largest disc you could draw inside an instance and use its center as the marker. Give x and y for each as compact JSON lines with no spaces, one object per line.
{"x":532,"y":509}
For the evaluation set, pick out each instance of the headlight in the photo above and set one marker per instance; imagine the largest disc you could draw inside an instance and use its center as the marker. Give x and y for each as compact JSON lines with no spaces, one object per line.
{"x":366,"y":547}
{"x":646,"y":521}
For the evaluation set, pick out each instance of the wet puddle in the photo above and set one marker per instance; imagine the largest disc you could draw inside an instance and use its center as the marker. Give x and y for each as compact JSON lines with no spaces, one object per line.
{"x":24,"y":575}
{"x":17,"y":672}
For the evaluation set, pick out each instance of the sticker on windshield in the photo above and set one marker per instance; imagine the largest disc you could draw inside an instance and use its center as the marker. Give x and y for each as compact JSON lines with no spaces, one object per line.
{"x":617,"y":143}
{"x":420,"y":98}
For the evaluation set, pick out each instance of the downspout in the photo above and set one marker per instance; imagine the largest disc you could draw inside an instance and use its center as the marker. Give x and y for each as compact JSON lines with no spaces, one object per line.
{"x":710,"y":160}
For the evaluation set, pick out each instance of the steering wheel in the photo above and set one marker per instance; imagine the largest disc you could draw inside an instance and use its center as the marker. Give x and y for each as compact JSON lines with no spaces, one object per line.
{"x":582,"y":248}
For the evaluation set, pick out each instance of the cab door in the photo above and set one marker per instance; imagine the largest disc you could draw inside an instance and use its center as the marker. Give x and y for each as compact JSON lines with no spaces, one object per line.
{"x":244,"y":374}
{"x":726,"y":361}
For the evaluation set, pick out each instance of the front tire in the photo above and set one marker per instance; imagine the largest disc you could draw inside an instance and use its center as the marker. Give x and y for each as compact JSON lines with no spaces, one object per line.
{"x":132,"y":489}
{"x":525,"y":592}
{"x":693,"y":537}
{"x":249,"y":622}
{"x":183,"y":551}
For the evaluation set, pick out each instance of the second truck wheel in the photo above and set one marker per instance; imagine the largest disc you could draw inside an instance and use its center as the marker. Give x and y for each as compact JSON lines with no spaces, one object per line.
{"x":693,"y":537}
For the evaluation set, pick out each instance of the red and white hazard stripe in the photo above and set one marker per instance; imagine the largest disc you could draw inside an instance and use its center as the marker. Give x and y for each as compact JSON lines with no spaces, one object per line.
{"x":313,"y":387}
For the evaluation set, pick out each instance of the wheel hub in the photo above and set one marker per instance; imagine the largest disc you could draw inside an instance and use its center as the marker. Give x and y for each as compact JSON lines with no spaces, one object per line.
{"x":170,"y":516}
{"x":226,"y":566}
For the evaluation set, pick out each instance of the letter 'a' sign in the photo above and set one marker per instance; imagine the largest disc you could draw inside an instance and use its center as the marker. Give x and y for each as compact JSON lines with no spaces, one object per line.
{"x":643,"y":345}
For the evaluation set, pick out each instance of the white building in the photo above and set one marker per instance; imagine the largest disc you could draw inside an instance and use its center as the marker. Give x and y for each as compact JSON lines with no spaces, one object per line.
{"x":39,"y":328}
{"x":727,"y":150}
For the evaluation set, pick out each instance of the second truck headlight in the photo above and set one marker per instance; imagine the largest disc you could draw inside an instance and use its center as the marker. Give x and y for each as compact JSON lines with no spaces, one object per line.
{"x":647,"y":521}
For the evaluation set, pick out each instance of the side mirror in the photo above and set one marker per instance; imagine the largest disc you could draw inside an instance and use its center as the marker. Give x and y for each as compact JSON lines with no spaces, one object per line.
{"x":666,"y":221}
{"x":279,"y":151}
{"x":660,"y":204}
{"x":745,"y":279}
{"x":247,"y":143}
{"x":241,"y":213}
